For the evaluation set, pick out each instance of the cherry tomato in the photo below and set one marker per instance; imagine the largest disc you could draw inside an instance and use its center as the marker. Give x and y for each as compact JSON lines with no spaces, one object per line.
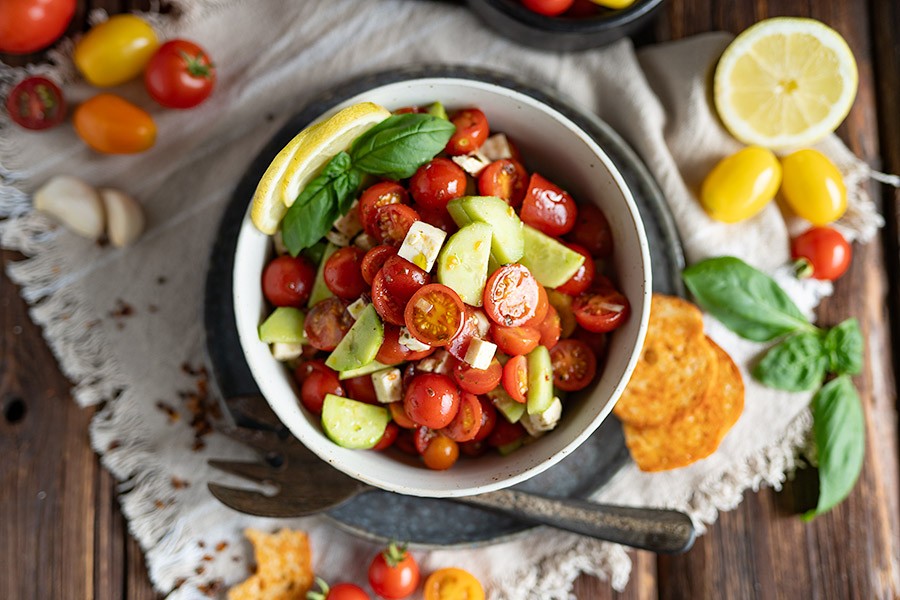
{"x":36,"y":103}
{"x":341,"y":591}
{"x":343,"y":273}
{"x":393,"y":352}
{"x":398,"y":414}
{"x":327,"y":323}
{"x":821,"y":253}
{"x":473,"y":449}
{"x":304,"y":369}
{"x":595,"y":341}
{"x":386,"y":304}
{"x":438,"y":217}
{"x":374,"y":260}
{"x":288,"y":281}
{"x":376,"y":196}
{"x":423,"y":437}
{"x":402,"y":278}
{"x":505,"y":433}
{"x":434,"y":315}
{"x":583,"y":277}
{"x":471,"y":131}
{"x":391,"y":431}
{"x":574,"y":365}
{"x":550,"y":328}
{"x":468,"y":420}
{"x":431,"y":400}
{"x":180,"y":75}
{"x":515,"y":377}
{"x":488,"y":419}
{"x":548,"y":208}
{"x":540,"y":310}
{"x":602,"y":308}
{"x":515,"y":340}
{"x":548,"y":8}
{"x":813,"y":187}
{"x":441,"y":454}
{"x":392,"y":222}
{"x":27,"y":26}
{"x":459,"y":345}
{"x":361,"y":388}
{"x":437,"y":182}
{"x":511,"y":295}
{"x":115,"y":51}
{"x":112,"y":125}
{"x":404,"y":442}
{"x":409,"y":109}
{"x":394,"y":574}
{"x":317,"y":384}
{"x":592,"y":231}
{"x":505,"y":179}
{"x":478,"y":381}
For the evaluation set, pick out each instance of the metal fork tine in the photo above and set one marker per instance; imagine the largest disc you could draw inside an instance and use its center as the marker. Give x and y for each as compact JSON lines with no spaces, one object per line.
{"x":255,"y":503}
{"x":249,"y":470}
{"x":265,"y":441}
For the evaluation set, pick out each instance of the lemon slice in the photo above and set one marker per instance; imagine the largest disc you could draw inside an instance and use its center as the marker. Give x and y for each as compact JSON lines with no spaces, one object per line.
{"x":304,"y":156}
{"x":785,"y":82}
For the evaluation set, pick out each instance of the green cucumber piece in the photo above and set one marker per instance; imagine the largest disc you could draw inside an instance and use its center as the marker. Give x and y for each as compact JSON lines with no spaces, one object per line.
{"x":540,"y":381}
{"x":363,"y":370}
{"x":463,"y":262}
{"x":507,"y":449}
{"x":507,"y":242}
{"x":360,"y":346}
{"x":436,"y":109}
{"x":320,"y":291}
{"x":509,"y":408}
{"x":285,"y":325}
{"x":352,"y":424}
{"x":551,"y":262}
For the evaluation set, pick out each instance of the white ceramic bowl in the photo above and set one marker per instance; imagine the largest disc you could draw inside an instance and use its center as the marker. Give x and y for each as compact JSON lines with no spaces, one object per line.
{"x":559,"y":150}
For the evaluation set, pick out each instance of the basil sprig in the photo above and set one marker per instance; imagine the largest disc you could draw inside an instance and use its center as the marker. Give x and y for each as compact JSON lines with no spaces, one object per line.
{"x":754,"y":306}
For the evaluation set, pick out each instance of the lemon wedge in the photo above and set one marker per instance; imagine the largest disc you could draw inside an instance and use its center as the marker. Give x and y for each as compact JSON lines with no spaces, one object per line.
{"x":785,"y":82}
{"x":304,"y":156}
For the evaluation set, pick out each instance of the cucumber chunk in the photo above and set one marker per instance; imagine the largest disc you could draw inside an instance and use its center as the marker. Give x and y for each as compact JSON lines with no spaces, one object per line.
{"x":551,"y":263}
{"x":540,"y":381}
{"x":509,"y":408}
{"x":507,"y":242}
{"x":368,"y":369}
{"x":285,"y":325}
{"x":436,"y":109}
{"x":352,"y":424}
{"x":360,"y":346}
{"x":320,"y":291}
{"x":463,"y":263}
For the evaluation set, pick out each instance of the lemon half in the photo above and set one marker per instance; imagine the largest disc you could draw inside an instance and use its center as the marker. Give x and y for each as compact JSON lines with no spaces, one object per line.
{"x":785,"y":82}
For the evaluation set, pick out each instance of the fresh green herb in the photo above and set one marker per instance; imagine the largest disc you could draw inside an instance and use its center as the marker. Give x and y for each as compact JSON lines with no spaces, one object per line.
{"x":844,"y":346}
{"x":400,"y":144}
{"x":315,"y":252}
{"x":840,"y":434}
{"x":797,"y":364}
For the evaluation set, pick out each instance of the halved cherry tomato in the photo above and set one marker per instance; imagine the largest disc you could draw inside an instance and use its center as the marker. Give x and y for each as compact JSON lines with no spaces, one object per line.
{"x":471,"y":131}
{"x":478,"y":381}
{"x":376,"y":196}
{"x":36,"y":103}
{"x":409,"y":109}
{"x":583,"y":277}
{"x":468,"y":419}
{"x":398,"y":414}
{"x":540,"y":310}
{"x":441,"y":454}
{"x":550,"y":328}
{"x":386,"y":304}
{"x":422,"y":437}
{"x":317,"y":384}
{"x":27,"y":26}
{"x":602,"y":308}
{"x":361,"y":388}
{"x":459,"y":345}
{"x":288,"y":281}
{"x":505,"y":179}
{"x":548,"y":207}
{"x":437,"y":182}
{"x":505,"y":433}
{"x":393,"y":352}
{"x":548,"y":8}
{"x":515,"y":340}
{"x":180,"y":74}
{"x":592,"y":231}
{"x":511,"y":295}
{"x":431,"y":400}
{"x":404,"y":442}
{"x":515,"y":377}
{"x":574,"y":365}
{"x":112,"y":125}
{"x":402,"y":278}
{"x":343,"y":273}
{"x":327,"y":323}
{"x":824,"y":253}
{"x":488,"y":419}
{"x":394,"y":573}
{"x":596,"y":341}
{"x":392,"y":222}
{"x":304,"y":369}
{"x":473,"y":449}
{"x":434,"y":315}
{"x":388,"y":437}
{"x":437,"y":217}
{"x":374,"y":260}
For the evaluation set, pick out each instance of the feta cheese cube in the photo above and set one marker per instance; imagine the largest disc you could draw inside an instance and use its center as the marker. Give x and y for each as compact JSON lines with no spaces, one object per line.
{"x":496,"y":147}
{"x":337,"y":238}
{"x":286,"y":351}
{"x":480,"y":353}
{"x":539,"y":423}
{"x":355,"y":309}
{"x":422,"y":244}
{"x":349,"y":224}
{"x":439,"y":362}
{"x":410,"y":343}
{"x":473,"y":164}
{"x":365,"y":241}
{"x":388,"y":385}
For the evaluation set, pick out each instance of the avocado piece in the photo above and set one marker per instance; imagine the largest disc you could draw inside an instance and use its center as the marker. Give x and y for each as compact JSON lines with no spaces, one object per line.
{"x":368,"y":369}
{"x":285,"y":325}
{"x":436,"y":109}
{"x":507,"y":241}
{"x":507,"y":449}
{"x":540,"y":381}
{"x":551,"y":262}
{"x":463,"y":262}
{"x":320,"y":291}
{"x":353,"y":424}
{"x":508,"y":407}
{"x":360,"y":346}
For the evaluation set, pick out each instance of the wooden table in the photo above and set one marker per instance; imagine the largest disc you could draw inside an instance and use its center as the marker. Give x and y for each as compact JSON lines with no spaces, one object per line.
{"x":62,"y":534}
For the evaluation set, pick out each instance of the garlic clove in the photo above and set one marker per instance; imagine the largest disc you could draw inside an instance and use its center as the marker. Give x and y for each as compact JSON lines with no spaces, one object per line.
{"x":73,"y":203}
{"x":124,"y":217}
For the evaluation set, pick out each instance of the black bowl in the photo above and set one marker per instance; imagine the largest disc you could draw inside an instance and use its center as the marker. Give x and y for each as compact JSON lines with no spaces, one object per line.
{"x":512,"y":20}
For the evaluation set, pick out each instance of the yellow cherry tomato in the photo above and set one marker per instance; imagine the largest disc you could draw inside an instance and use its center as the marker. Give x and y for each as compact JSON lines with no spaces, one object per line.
{"x":614,"y":4}
{"x":813,"y":187}
{"x":453,"y":584}
{"x":115,"y":51}
{"x":741,"y":185}
{"x":110,"y":124}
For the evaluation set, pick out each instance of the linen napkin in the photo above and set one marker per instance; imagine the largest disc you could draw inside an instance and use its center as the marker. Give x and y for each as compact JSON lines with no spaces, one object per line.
{"x":126,"y":325}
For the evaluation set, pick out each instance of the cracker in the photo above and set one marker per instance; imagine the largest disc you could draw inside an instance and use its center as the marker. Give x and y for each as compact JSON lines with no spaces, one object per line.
{"x":284,"y":567}
{"x":675,"y":369}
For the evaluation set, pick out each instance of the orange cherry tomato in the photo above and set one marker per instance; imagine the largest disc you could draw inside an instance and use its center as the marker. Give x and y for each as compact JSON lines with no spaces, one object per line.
{"x":453,"y":583}
{"x":550,"y":328}
{"x":112,"y":125}
{"x":515,"y":378}
{"x":515,"y":340}
{"x":441,"y":454}
{"x":435,"y":314}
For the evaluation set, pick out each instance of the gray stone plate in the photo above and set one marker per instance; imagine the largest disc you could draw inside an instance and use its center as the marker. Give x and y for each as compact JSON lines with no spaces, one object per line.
{"x":422,"y":521}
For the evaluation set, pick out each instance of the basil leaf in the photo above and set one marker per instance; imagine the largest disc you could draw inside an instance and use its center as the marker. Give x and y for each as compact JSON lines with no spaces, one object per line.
{"x":745,"y":300}
{"x":400,"y":144}
{"x":797,"y":364}
{"x":844,"y":345}
{"x":840,"y":434}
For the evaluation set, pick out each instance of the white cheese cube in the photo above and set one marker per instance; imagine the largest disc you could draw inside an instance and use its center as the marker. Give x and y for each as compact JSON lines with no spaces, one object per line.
{"x":538,"y":424}
{"x":349,"y":224}
{"x":439,"y":362}
{"x":473,"y":164}
{"x":422,"y":244}
{"x":355,"y":309}
{"x":286,"y":351}
{"x":480,"y":353}
{"x":410,"y":343}
{"x":388,"y":385}
{"x":496,"y":147}
{"x":365,"y":241}
{"x":337,"y":238}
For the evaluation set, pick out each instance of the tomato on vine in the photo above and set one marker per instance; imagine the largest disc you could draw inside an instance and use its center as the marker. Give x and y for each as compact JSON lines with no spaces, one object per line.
{"x":340,"y":591}
{"x":394,"y":573}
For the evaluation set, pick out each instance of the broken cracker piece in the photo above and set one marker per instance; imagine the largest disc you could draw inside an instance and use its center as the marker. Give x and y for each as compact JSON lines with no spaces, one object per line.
{"x":284,"y":567}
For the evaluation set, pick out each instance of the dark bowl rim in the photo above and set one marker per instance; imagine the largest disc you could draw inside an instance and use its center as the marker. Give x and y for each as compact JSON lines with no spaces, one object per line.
{"x":569,"y":25}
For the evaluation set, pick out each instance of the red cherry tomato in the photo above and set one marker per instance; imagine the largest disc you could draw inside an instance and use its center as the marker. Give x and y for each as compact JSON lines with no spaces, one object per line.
{"x":511,"y":295}
{"x":386,"y":304}
{"x":468,"y":420}
{"x":404,"y":442}
{"x":422,"y":437}
{"x":596,"y":341}
{"x":393,"y":352}
{"x":574,"y":365}
{"x":473,"y":449}
{"x":540,"y":311}
{"x":478,"y":381}
{"x":376,"y":196}
{"x":505,"y":433}
{"x":488,"y":419}
{"x":515,"y":378}
{"x":344,"y":591}
{"x":823,"y":250}
{"x":304,"y":369}
{"x":548,"y":8}
{"x":459,"y":345}
{"x":388,"y":437}
{"x":438,"y":182}
{"x":374,"y":260}
{"x":394,"y":574}
{"x":583,"y":277}
{"x":471,"y":131}
{"x":441,"y":454}
{"x":288,"y":281}
{"x":592,"y":231}
{"x":583,"y":8}
{"x":505,"y":179}
{"x":550,"y":328}
{"x":398,"y":414}
{"x":438,"y":217}
{"x":180,"y":74}
{"x":515,"y":340}
{"x":316,"y":385}
{"x":434,"y":315}
{"x":431,"y":400}
{"x":343,"y":273}
{"x":602,"y":308}
{"x":392,"y":222}
{"x":27,"y":26}
{"x":327,"y":323}
{"x":361,"y":388}
{"x":409,"y":109}
{"x":402,"y":278}
{"x":36,"y":103}
{"x":548,"y":208}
